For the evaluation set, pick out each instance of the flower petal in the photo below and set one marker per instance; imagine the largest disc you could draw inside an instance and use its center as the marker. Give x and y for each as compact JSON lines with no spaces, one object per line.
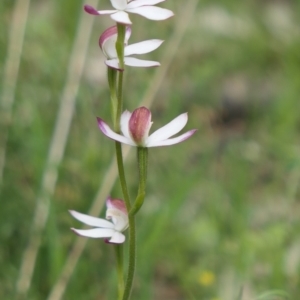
{"x":139,"y":125}
{"x":173,"y":141}
{"x":119,"y":4}
{"x":127,"y":34}
{"x":119,"y":219}
{"x":95,"y":232}
{"x":113,"y":63}
{"x":116,"y":204}
{"x":168,"y":130}
{"x":124,"y":122}
{"x":138,"y":3}
{"x":91,"y":221}
{"x":109,"y":33}
{"x":117,"y":212}
{"x":121,"y":17}
{"x":152,"y":12}
{"x":111,"y":134}
{"x":92,"y":11}
{"x":107,"y":42}
{"x":117,"y":238}
{"x":134,"y":62}
{"x":108,"y":38}
{"x":142,"y":47}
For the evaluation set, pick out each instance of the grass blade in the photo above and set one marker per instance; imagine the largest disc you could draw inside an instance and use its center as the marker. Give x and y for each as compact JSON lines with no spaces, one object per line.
{"x":56,"y":150}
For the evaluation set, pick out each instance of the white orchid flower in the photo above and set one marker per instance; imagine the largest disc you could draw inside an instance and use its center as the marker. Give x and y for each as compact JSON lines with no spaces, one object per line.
{"x":111,"y":231}
{"x":144,"y":8}
{"x":135,"y":128}
{"x":107,"y":43}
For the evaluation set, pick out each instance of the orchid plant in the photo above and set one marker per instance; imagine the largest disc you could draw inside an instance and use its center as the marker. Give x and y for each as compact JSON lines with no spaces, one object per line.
{"x":128,"y":128}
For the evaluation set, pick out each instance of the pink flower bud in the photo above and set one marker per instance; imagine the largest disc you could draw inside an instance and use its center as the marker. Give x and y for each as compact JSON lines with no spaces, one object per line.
{"x":91,"y":10}
{"x":139,"y":125}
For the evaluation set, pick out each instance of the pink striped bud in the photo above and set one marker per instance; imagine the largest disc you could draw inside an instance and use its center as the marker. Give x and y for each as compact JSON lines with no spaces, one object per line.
{"x":139,"y":125}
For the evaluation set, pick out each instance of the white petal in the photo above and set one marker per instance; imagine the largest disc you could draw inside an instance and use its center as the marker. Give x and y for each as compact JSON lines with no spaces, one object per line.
{"x":113,"y":63}
{"x":106,"y":12}
{"x":134,"y":62}
{"x":152,"y":12}
{"x":121,"y":17}
{"x":91,"y":221}
{"x":109,"y":47}
{"x":119,"y":4}
{"x":111,"y":134}
{"x":168,"y":130}
{"x":117,"y":238}
{"x":127,"y":34}
{"x":92,"y":11}
{"x":173,"y":141}
{"x":124,"y":123}
{"x":95,"y":232}
{"x":119,"y":219}
{"x":142,"y":47}
{"x":138,"y":3}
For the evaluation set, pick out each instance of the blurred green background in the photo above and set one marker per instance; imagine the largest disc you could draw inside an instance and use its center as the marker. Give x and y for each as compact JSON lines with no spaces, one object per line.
{"x":222,"y":213}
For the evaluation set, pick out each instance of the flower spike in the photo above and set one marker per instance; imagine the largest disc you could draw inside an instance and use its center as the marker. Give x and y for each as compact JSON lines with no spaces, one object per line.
{"x":144,"y":8}
{"x":107,"y":43}
{"x":116,"y":212}
{"x":135,"y":128}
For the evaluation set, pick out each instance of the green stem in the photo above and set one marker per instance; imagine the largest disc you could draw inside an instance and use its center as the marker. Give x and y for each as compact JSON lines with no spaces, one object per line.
{"x":119,"y":94}
{"x":132,"y":238}
{"x":132,"y":258}
{"x":137,"y":203}
{"x":142,"y":156}
{"x":120,"y":51}
{"x":120,"y":100}
{"x":112,"y":82}
{"x":120,"y":44}
{"x":122,"y":177}
{"x":119,"y":258}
